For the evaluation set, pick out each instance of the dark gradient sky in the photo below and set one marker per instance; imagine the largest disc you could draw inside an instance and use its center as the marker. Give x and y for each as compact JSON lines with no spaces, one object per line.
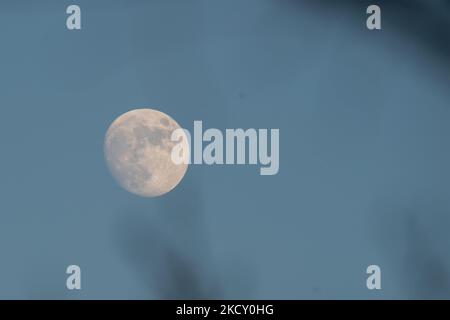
{"x":364,"y":157}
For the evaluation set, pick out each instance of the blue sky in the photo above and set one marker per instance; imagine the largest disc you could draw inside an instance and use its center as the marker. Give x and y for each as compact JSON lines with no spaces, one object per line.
{"x":363,"y":119}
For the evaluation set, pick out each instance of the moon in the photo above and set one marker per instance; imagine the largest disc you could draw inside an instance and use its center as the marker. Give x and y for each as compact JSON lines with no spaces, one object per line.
{"x":138,"y":152}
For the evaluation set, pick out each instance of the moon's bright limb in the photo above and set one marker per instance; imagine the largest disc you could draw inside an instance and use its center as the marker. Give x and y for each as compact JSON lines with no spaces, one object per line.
{"x":138,"y":152}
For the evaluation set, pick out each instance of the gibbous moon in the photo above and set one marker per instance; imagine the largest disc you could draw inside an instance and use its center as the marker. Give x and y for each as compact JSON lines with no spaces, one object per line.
{"x":138,"y":151}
